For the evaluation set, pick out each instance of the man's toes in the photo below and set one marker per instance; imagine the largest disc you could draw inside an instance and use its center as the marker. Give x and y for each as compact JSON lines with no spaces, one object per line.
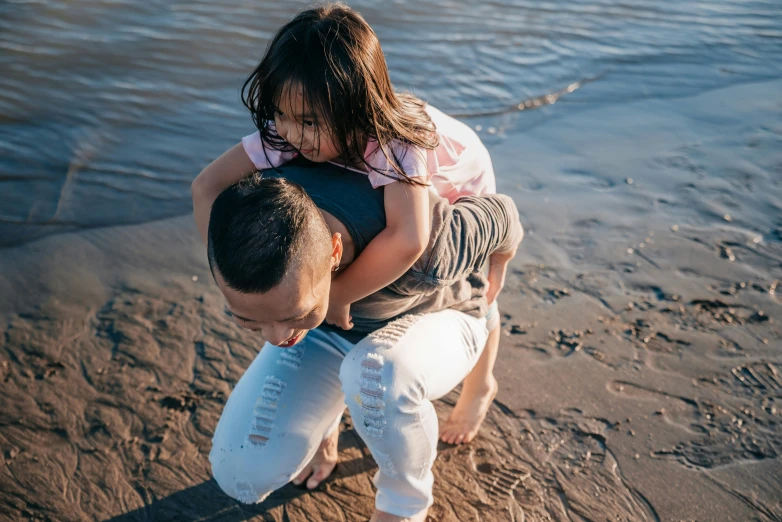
{"x":318,"y":477}
{"x":301,"y":477}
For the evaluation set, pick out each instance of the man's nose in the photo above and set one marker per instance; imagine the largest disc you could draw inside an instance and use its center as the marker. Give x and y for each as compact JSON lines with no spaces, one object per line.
{"x":276,"y":334}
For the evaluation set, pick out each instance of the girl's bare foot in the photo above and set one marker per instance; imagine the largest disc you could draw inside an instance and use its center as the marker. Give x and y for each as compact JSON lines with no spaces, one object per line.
{"x":322,"y":464}
{"x":468,"y":414}
{"x":382,"y":516}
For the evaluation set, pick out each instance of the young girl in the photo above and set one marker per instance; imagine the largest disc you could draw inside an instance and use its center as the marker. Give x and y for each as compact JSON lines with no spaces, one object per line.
{"x":322,"y":91}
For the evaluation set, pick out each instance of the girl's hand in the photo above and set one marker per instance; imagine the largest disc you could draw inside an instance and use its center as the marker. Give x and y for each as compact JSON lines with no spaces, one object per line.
{"x":498,"y":266}
{"x":339,"y":315}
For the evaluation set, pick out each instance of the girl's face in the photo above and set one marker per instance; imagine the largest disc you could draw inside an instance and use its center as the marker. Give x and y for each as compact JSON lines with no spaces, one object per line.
{"x":304,"y":130}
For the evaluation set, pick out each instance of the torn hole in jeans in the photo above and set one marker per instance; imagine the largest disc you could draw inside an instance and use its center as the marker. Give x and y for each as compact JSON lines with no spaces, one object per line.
{"x":385,"y":464}
{"x":390,"y":334}
{"x":265,"y":411}
{"x":292,"y":356}
{"x":372,"y":393}
{"x":246,"y":494}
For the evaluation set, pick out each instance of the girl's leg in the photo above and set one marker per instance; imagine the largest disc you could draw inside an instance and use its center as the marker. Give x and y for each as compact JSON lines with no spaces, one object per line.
{"x":389,"y":380}
{"x":478,"y":390}
{"x":277,"y":416}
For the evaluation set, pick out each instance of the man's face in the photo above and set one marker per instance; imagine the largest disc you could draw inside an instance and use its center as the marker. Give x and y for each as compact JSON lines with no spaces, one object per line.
{"x":284,"y":314}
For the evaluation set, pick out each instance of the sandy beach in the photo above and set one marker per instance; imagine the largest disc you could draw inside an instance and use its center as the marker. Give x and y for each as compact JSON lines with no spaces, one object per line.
{"x":639,"y":368}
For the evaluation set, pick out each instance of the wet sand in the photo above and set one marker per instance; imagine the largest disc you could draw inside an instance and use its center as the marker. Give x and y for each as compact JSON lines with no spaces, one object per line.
{"x":639,"y":368}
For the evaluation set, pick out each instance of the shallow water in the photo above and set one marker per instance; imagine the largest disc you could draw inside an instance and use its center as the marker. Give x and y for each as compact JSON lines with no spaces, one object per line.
{"x":109,"y":109}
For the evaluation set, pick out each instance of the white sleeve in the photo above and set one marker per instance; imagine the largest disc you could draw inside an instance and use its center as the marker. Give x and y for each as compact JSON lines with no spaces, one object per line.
{"x":413,"y":162}
{"x":264,"y":157}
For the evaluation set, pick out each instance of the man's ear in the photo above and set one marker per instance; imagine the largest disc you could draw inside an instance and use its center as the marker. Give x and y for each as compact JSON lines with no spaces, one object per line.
{"x":336,"y":250}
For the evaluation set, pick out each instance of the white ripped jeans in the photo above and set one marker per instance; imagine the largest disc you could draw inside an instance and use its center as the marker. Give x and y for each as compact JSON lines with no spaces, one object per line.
{"x":289,"y":400}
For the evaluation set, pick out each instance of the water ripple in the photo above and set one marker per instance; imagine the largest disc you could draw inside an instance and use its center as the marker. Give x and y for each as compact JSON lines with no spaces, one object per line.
{"x":109,"y":109}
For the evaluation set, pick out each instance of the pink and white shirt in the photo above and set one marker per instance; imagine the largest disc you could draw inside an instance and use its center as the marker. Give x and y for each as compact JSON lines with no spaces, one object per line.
{"x":459,"y":166}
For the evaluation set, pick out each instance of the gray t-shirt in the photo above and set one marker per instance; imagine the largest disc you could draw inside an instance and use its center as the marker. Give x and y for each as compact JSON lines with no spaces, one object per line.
{"x":447,"y":275}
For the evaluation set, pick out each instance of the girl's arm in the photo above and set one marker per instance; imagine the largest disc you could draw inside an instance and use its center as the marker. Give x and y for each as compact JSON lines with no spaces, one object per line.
{"x":233,"y":166}
{"x":389,"y":255}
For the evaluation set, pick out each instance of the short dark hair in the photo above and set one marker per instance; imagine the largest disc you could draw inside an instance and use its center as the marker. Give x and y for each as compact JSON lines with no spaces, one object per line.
{"x":257,"y":227}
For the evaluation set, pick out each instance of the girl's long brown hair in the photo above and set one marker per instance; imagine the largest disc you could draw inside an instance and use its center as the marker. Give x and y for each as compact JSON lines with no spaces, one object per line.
{"x":333,"y":55}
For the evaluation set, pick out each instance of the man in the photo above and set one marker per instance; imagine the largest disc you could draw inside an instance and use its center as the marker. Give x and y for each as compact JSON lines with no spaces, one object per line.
{"x":273,"y":249}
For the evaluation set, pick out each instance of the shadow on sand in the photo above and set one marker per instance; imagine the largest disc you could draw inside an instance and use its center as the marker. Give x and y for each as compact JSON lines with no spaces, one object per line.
{"x":206,"y":502}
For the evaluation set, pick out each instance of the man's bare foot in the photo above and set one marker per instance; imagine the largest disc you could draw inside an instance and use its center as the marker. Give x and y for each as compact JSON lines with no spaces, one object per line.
{"x":382,"y":516}
{"x":468,"y":414}
{"x":322,"y":464}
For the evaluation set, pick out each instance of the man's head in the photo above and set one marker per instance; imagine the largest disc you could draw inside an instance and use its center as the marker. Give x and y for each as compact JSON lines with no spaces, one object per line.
{"x":271,"y":255}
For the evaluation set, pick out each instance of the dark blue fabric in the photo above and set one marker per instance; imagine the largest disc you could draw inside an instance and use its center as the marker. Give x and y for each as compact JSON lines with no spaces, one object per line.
{"x":345,"y":194}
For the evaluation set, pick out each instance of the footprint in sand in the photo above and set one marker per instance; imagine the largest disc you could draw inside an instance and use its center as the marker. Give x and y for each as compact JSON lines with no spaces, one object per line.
{"x":532,"y":466}
{"x":498,"y":480}
{"x":717,"y":434}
